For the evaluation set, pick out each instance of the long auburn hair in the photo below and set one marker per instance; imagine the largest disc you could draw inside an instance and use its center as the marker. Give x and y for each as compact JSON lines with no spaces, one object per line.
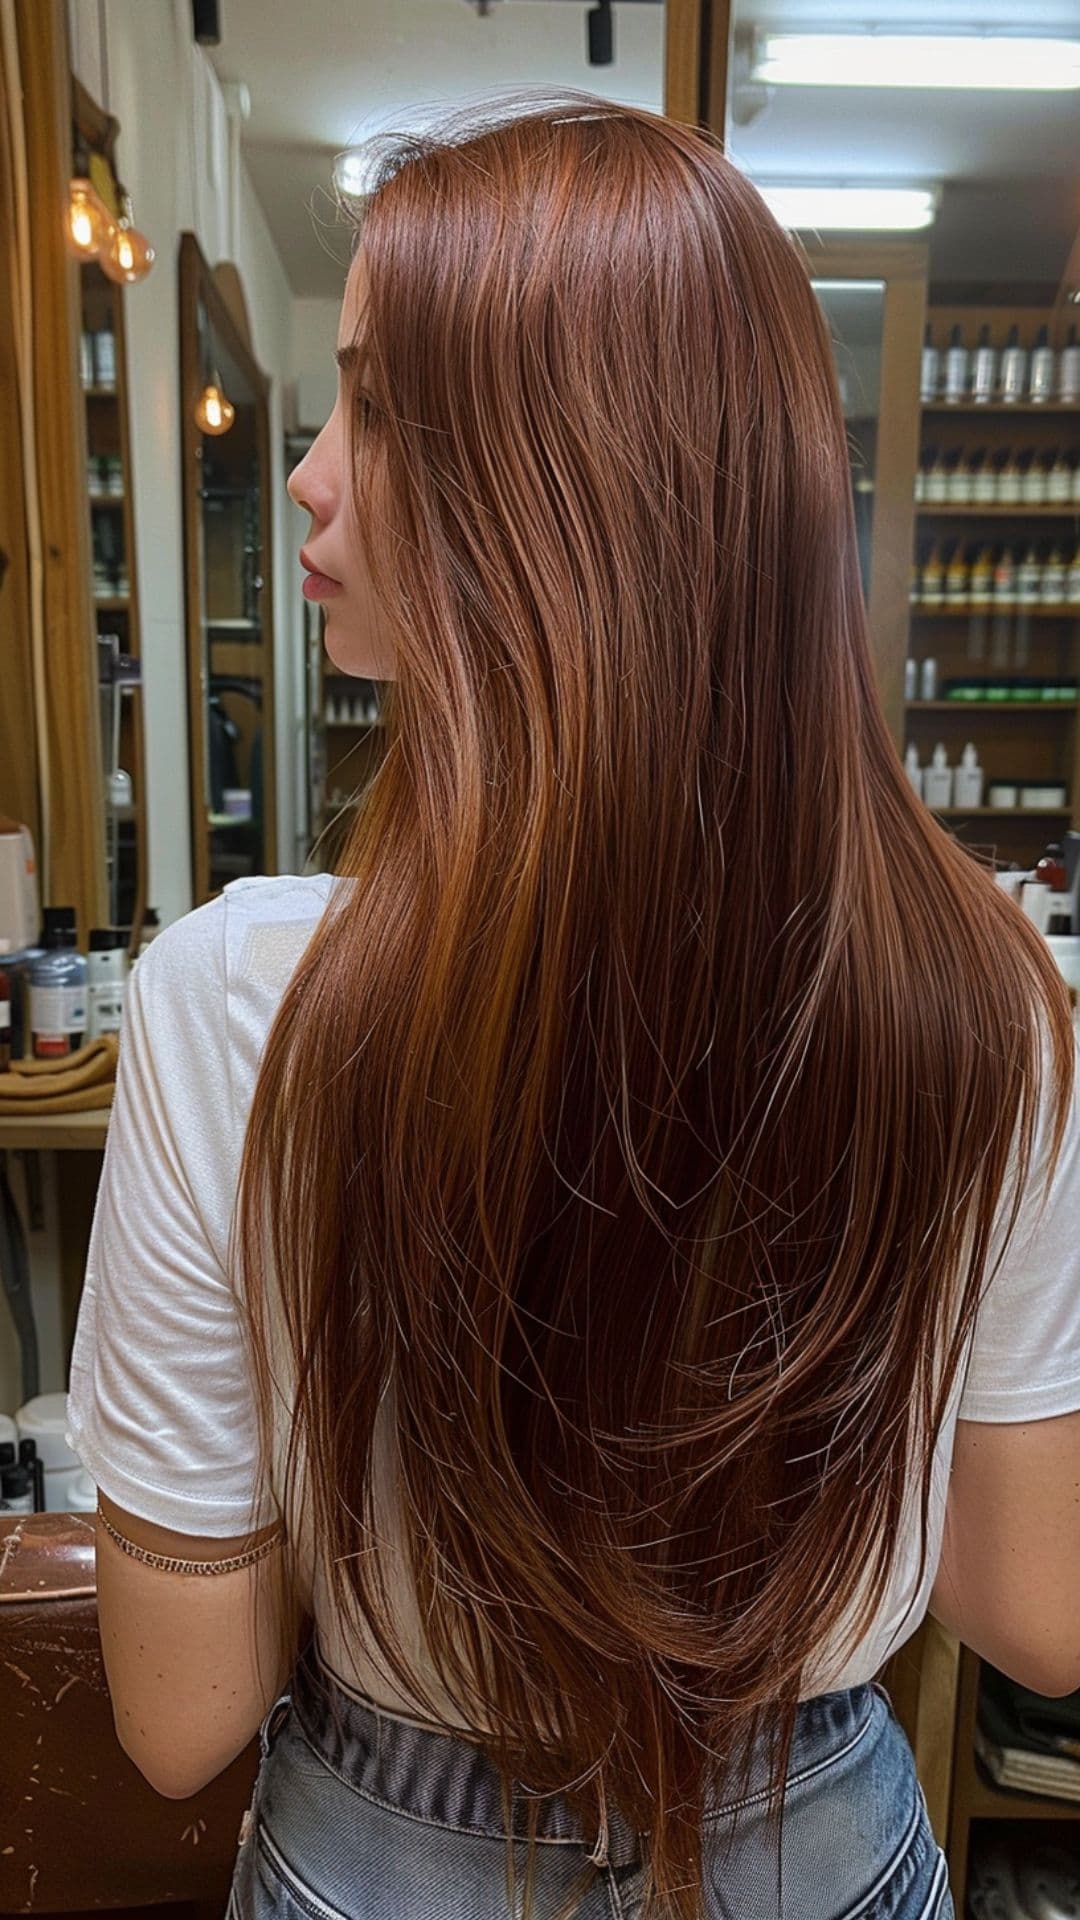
{"x":644,"y":1106}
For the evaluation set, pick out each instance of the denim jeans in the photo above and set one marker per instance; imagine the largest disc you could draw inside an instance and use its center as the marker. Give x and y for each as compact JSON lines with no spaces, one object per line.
{"x":362,"y":1814}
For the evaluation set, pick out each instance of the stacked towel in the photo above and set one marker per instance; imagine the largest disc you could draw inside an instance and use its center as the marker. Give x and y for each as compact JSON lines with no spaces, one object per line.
{"x":83,"y":1080}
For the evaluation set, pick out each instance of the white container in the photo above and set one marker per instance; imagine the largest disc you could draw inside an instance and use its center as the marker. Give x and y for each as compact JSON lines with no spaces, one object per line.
{"x":1065,"y":948}
{"x":1043,"y":368}
{"x":968,"y":779}
{"x":1033,"y":485}
{"x":44,"y":1421}
{"x":938,"y":780}
{"x":1003,"y":793}
{"x":20,"y":914}
{"x":985,"y":370}
{"x":928,"y":679}
{"x":106,"y":982}
{"x":913,"y":769}
{"x":1069,"y":369}
{"x":1035,"y":902}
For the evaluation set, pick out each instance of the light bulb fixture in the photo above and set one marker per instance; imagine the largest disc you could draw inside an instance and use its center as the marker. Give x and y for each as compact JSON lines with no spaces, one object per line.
{"x":850,"y":209}
{"x":128,"y":256}
{"x":1011,"y":62}
{"x":214,"y":412}
{"x":89,"y":222}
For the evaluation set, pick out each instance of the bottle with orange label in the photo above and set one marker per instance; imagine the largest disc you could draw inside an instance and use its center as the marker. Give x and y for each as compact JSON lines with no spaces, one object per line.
{"x":58,"y":989}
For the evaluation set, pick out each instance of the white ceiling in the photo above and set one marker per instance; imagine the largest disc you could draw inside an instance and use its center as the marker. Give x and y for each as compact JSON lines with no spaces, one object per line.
{"x":323,"y":75}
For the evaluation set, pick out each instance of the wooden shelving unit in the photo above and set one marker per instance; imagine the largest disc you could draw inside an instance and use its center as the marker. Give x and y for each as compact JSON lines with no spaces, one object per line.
{"x":974,"y":1796}
{"x":1024,"y":740}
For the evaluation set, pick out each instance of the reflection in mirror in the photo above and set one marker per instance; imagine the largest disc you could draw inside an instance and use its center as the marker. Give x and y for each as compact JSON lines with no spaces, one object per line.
{"x":229,"y":625}
{"x":855,"y":311}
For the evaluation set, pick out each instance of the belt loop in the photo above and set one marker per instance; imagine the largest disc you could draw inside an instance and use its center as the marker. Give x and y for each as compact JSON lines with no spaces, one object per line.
{"x":599,"y":1855}
{"x":271,"y":1725}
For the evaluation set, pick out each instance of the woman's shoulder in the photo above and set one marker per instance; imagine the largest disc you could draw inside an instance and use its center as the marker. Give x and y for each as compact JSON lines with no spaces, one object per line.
{"x":209,"y":984}
{"x":198,"y":949}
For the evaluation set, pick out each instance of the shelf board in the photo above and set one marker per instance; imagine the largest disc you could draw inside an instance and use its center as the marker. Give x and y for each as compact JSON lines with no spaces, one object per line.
{"x":106,"y":499}
{"x":1037,"y":610}
{"x":991,"y":706}
{"x":970,"y":510}
{"x":1002,"y":406}
{"x":985,"y":1801}
{"x":232,"y":626}
{"x":354,"y":726}
{"x":112,"y":603}
{"x":1003,"y":813}
{"x":101,"y":393}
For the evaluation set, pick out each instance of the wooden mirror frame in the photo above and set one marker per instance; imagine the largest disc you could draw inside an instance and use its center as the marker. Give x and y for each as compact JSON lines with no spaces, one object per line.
{"x":902,"y":266}
{"x":219,"y":291}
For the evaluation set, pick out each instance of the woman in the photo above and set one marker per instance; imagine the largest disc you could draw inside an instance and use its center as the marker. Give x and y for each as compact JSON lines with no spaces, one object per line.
{"x":656,"y":1153}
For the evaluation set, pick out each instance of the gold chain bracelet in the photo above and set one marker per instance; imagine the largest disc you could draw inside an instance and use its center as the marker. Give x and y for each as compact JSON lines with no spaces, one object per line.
{"x":168,"y":1563}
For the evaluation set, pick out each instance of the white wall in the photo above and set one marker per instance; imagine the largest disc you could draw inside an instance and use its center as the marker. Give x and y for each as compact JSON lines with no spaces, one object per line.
{"x":173,"y":155}
{"x":311,"y":361}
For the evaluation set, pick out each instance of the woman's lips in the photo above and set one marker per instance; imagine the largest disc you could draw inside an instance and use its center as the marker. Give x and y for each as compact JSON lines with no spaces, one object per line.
{"x":319,"y":586}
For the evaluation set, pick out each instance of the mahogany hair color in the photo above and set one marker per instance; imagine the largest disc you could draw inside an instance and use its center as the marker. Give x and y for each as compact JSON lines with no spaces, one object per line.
{"x":644,"y":1103}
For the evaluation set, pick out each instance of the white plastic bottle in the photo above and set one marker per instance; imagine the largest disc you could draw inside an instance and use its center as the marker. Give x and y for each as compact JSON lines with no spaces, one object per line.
{"x":985,"y":370}
{"x":1013,"y":369}
{"x":107,"y":971}
{"x":930,"y":372}
{"x":1042,"y":368}
{"x":968,"y":779}
{"x":1069,"y":369}
{"x":956,"y":368}
{"x":913,"y":769}
{"x":938,"y":779}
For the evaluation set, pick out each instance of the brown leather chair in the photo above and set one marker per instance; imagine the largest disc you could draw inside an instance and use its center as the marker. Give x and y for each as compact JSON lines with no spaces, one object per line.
{"x":80,"y":1829}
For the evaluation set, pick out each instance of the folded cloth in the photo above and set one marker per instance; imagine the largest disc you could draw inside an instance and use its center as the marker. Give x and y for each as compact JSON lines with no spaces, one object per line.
{"x":80,"y":1081}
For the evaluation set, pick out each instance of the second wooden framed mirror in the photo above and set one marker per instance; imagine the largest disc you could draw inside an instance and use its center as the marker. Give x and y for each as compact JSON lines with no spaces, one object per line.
{"x":227,"y":565}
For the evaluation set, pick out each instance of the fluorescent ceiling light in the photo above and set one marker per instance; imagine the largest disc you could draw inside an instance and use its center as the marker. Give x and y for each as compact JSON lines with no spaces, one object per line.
{"x":917,"y":60}
{"x":852,"y":209}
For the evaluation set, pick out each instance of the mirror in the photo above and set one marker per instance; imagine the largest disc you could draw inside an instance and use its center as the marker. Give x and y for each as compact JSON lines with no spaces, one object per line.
{"x":227,"y":552}
{"x":114,"y":585}
{"x":855,"y":311}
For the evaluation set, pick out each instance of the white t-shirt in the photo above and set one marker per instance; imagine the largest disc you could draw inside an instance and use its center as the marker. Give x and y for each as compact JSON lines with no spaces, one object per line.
{"x":161,"y":1409}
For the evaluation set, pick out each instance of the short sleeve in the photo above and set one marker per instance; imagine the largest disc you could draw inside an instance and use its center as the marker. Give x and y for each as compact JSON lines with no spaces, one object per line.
{"x":1025,"y":1354}
{"x":161,"y":1410}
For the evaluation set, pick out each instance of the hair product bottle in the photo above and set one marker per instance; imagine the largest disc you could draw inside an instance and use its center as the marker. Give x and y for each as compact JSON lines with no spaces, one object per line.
{"x":1013,"y":369}
{"x":984,"y":372}
{"x":1042,"y":368}
{"x":930,"y":371}
{"x":107,"y":969}
{"x":913,"y":769}
{"x":957,"y":575}
{"x":1052,"y":584}
{"x":933,"y":578}
{"x":956,"y":368}
{"x":5,"y":1011}
{"x":1029,"y":577}
{"x":58,"y":989}
{"x":968,"y":779}
{"x":1058,"y":479}
{"x":928,"y":679}
{"x":1008,"y":478}
{"x":938,"y":779}
{"x":1068,"y":388}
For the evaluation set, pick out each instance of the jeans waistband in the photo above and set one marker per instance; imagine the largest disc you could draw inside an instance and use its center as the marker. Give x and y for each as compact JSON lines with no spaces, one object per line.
{"x":448,"y":1781}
